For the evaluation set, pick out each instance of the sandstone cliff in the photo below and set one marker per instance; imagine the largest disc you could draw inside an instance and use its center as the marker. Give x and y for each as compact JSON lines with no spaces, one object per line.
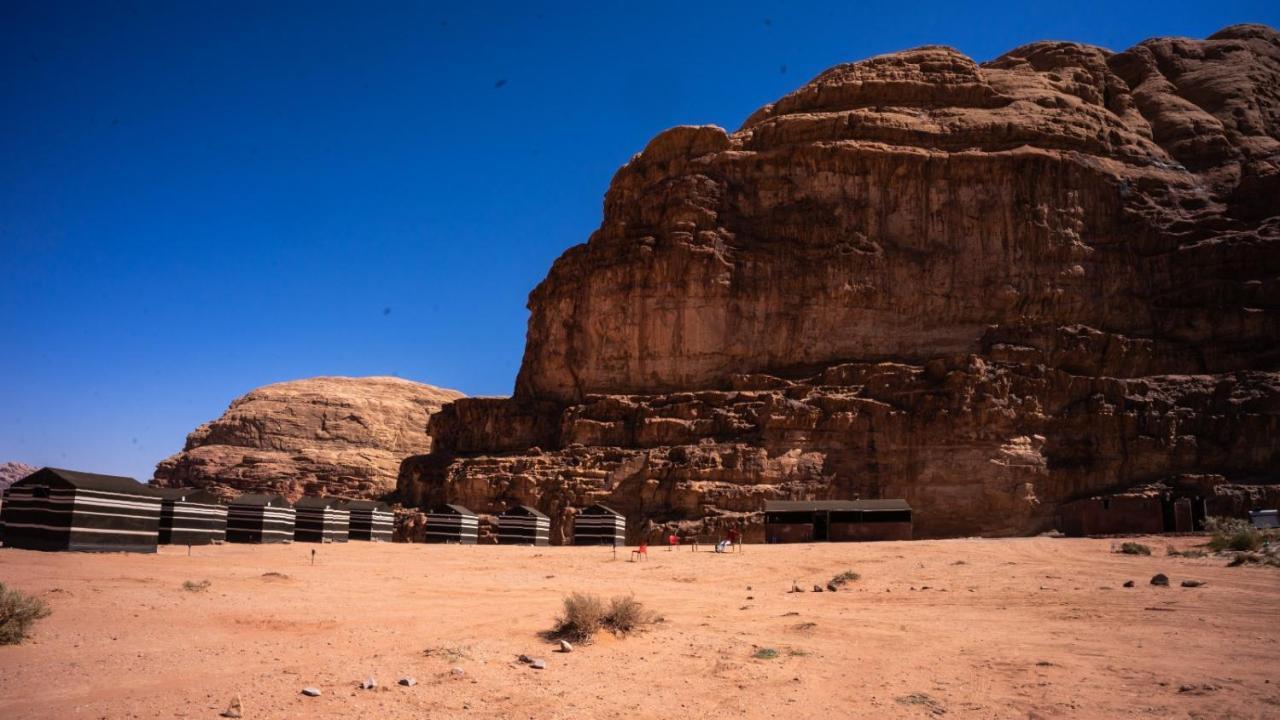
{"x":988,"y":289}
{"x":321,"y":436}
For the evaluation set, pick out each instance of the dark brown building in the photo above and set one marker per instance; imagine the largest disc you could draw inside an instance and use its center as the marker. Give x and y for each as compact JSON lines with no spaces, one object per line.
{"x":790,"y":521}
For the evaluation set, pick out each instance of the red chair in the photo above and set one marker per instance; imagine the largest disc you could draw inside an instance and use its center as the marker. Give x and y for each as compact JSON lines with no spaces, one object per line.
{"x":641,"y":552}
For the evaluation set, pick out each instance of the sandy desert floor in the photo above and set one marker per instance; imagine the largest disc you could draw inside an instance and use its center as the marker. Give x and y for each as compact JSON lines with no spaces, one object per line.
{"x":1019,"y":628}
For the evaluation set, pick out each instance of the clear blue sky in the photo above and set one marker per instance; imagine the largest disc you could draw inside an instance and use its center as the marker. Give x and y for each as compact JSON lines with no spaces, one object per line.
{"x":198,"y":198}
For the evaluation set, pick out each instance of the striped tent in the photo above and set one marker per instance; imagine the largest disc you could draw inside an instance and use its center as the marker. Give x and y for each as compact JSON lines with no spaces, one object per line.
{"x":55,"y":509}
{"x":599,"y":525}
{"x":191,"y":516}
{"x":256,"y":518}
{"x":452,"y":524}
{"x":370,"y":520}
{"x":523,"y":525}
{"x":321,"y":519}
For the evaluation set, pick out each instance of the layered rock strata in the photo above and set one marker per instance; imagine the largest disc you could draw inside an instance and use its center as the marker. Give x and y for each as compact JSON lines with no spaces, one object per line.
{"x":988,"y":289}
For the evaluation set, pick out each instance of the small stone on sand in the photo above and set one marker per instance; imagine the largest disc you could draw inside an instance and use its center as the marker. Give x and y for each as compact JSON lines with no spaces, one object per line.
{"x":311,"y":692}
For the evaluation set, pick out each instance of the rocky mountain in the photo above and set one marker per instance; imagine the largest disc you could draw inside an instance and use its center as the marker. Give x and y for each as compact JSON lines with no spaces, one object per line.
{"x":12,"y":472}
{"x":987,"y":288}
{"x":326,"y":436}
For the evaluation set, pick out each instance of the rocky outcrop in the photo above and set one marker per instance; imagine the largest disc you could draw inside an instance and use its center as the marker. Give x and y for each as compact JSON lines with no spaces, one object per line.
{"x":988,"y":289}
{"x":320,"y":436}
{"x":12,"y":472}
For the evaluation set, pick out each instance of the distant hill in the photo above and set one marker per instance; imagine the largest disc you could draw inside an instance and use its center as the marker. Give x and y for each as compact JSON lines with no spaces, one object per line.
{"x":12,"y":472}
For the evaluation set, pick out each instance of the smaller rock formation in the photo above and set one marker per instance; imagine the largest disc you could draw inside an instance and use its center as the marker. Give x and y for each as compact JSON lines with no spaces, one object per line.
{"x":12,"y":472}
{"x":320,"y":436}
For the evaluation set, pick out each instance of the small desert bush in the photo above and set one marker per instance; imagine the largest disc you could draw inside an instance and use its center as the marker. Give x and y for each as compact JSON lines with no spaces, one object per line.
{"x":845,"y":578}
{"x":581,"y":618}
{"x":191,"y":586}
{"x":17,"y":613}
{"x":1233,"y":534}
{"x":1192,"y":553}
{"x":1134,"y":548}
{"x":584,"y":615}
{"x":765,"y":653}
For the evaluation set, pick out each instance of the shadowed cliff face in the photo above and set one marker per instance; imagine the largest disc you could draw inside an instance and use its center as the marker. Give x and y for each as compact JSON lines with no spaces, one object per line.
{"x":320,"y":436}
{"x":985,"y":288}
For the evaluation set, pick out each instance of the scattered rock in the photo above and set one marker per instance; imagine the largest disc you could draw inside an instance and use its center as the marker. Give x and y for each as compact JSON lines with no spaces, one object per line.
{"x":566,"y":646}
{"x":1128,"y":583}
{"x":1160,"y":579}
{"x":235,"y":709}
{"x":525,"y":659}
{"x":311,"y":692}
{"x":831,"y":587}
{"x":817,"y":588}
{"x":457,"y":672}
{"x":369,"y":683}
{"x":1192,"y":583}
{"x":538,"y":665}
{"x":407,"y":681}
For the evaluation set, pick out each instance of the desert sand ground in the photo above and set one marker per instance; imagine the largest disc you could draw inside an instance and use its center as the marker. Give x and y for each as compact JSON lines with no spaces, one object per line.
{"x":1017,"y":628}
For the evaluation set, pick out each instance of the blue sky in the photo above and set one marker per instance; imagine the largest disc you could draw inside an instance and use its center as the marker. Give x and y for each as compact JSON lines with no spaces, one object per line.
{"x":198,"y":198}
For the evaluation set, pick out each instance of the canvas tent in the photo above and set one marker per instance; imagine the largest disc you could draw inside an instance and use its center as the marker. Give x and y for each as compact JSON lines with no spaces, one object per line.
{"x":599,"y":525}
{"x":452,"y":524}
{"x":370,"y":520}
{"x":321,"y":519}
{"x":258,"y":518}
{"x":788,"y":521}
{"x":523,"y":525}
{"x":56,"y":509}
{"x":191,"y":516}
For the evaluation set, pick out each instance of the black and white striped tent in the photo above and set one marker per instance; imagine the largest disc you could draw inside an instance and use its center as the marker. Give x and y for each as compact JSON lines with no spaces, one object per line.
{"x":523,"y":525}
{"x":321,"y":519}
{"x":256,"y":518}
{"x":452,"y":524}
{"x":599,"y":525}
{"x":54,"y":509}
{"x":191,"y":516}
{"x":370,"y":520}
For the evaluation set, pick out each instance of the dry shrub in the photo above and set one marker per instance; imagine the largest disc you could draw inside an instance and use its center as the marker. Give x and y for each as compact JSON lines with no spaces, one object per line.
{"x":201,"y":586}
{"x":18,"y":612}
{"x":581,"y":618}
{"x":1233,"y":534}
{"x":1192,"y":553}
{"x":1135,"y":548}
{"x":584,"y":615}
{"x":845,"y":578}
{"x":626,"y":614}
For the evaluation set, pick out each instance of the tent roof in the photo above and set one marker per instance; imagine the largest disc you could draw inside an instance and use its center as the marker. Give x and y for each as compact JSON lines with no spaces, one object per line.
{"x":598,"y":509}
{"x":366,"y":505}
{"x":524,"y":510}
{"x":89,"y":481}
{"x":311,"y":501}
{"x":836,"y":505}
{"x":450,"y":510}
{"x":186,"y":494}
{"x":261,"y":499}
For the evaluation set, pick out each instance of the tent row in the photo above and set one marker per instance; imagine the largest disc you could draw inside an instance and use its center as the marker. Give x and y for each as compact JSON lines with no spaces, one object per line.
{"x":55,"y":509}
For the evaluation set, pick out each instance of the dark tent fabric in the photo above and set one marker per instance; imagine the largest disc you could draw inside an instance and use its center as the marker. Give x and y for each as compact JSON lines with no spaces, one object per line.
{"x":256,"y":518}
{"x":599,"y":525}
{"x":191,"y":516}
{"x":452,"y":524}
{"x":370,"y":520}
{"x":321,"y":519}
{"x":523,"y":525}
{"x":787,"y":521}
{"x":57,"y":509}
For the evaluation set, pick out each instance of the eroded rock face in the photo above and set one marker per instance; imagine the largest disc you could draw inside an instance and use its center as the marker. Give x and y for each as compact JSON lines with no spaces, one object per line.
{"x":320,"y":436}
{"x":986,"y":288}
{"x":12,"y":472}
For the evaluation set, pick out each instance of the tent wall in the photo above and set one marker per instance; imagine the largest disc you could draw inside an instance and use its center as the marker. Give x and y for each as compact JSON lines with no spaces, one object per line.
{"x":39,"y":517}
{"x":372,"y":525}
{"x":599,"y":528}
{"x":523,"y":529}
{"x":189,"y":523}
{"x":260,"y":524}
{"x":452,"y":528}
{"x":321,"y":524}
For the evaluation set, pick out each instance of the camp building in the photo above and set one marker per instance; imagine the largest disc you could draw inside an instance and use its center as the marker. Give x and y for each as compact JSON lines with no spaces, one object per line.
{"x":523,"y":525}
{"x":321,"y":519}
{"x":56,"y":509}
{"x":599,"y":525}
{"x":452,"y":524}
{"x":792,"y":521}
{"x":259,"y":518}
{"x":370,"y":520}
{"x":191,"y":516}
